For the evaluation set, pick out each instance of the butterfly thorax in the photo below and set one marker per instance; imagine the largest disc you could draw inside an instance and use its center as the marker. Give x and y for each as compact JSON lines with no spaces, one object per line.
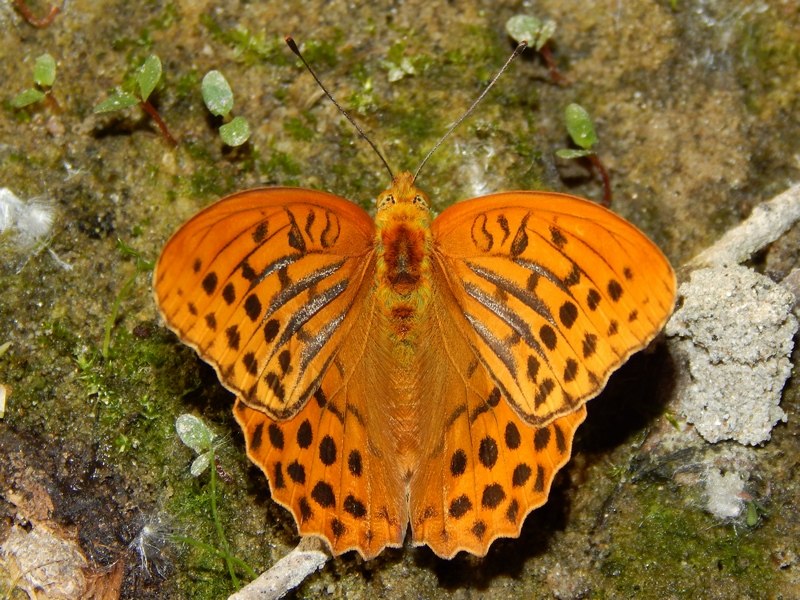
{"x":403,"y":242}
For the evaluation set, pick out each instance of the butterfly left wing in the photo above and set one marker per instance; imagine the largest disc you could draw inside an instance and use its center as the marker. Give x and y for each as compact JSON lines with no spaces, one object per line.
{"x":262,"y":284}
{"x":333,"y":465}
{"x":554,"y":294}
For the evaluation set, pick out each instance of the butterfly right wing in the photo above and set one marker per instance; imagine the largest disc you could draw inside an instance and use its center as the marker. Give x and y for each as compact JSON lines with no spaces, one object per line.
{"x":262,"y":284}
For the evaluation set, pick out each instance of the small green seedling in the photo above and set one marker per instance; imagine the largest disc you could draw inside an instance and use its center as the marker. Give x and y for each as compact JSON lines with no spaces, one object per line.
{"x":218,"y":98}
{"x":754,"y":513}
{"x":44,"y":75}
{"x":539,"y":35}
{"x":39,"y":22}
{"x":147,"y":77}
{"x":196,"y":435}
{"x":581,"y":130}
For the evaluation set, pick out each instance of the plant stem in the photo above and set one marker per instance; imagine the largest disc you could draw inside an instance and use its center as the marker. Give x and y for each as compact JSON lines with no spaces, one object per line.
{"x":218,"y":523}
{"x":150,"y":110}
{"x":33,"y":19}
{"x":52,"y":103}
{"x":598,"y":165}
{"x":180,"y":539}
{"x":555,"y":74}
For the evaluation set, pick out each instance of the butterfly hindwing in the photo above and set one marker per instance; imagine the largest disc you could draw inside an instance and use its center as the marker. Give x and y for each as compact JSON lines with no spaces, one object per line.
{"x":554,"y":291}
{"x":482,"y":468}
{"x":332,"y":465}
{"x":262,"y":285}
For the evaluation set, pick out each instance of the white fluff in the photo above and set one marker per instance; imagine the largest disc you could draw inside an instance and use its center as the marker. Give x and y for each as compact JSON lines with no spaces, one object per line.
{"x":31,"y":220}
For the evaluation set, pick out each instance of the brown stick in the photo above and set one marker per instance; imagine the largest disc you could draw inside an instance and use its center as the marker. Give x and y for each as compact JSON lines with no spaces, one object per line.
{"x":32,"y":19}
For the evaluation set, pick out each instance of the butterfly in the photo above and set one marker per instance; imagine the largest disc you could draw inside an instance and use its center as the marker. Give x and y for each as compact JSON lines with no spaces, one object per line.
{"x":409,"y":371}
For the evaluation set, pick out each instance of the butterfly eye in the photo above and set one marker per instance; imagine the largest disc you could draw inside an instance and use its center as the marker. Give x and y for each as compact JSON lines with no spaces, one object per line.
{"x":420,"y":201}
{"x":386,"y":201}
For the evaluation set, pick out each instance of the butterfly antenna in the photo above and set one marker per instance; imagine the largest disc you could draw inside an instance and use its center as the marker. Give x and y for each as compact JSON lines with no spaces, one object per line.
{"x":293,"y":47}
{"x":517,"y":51}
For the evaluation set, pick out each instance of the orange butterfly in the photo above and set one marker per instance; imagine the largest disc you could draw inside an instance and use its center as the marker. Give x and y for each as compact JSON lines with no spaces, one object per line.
{"x":411,"y":370}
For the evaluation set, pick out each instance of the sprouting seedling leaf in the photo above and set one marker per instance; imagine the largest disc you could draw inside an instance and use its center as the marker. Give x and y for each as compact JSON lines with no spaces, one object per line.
{"x":217,"y":94}
{"x":147,"y":78}
{"x":197,"y":436}
{"x":581,"y":130}
{"x":236,"y":132}
{"x":27,"y":97}
{"x":194,"y":433}
{"x":149,"y":75}
{"x":538,"y":34}
{"x":218,"y":98}
{"x":117,"y":101}
{"x":580,"y":126}
{"x":44,"y":70}
{"x":200,"y":464}
{"x":44,"y":75}
{"x":528,"y":28}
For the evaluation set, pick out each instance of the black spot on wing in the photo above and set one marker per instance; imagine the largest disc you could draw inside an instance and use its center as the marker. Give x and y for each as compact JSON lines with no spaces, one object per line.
{"x":210,"y":283}
{"x":520,"y":241}
{"x":481,"y":238}
{"x":295,"y":235}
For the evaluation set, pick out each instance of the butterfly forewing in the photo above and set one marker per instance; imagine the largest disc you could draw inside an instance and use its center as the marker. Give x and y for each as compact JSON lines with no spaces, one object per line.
{"x":555,"y":292}
{"x":262,"y":284}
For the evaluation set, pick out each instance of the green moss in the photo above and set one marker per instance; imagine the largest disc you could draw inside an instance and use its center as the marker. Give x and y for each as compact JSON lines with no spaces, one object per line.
{"x":186,"y":85}
{"x":323,"y":53}
{"x":251,"y":48}
{"x":362,"y":100}
{"x":166,"y":17}
{"x":300,"y":128}
{"x":280,"y":166}
{"x":677,"y":550}
{"x":770,"y":57}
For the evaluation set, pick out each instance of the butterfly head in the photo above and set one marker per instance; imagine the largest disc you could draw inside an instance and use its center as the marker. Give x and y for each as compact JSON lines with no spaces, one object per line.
{"x":403,"y":192}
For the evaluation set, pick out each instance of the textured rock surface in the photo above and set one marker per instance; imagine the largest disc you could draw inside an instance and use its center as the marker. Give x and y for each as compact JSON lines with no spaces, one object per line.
{"x":734,"y":332}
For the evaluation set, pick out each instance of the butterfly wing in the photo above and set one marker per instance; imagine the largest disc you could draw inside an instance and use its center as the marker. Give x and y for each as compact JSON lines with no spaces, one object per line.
{"x":273,"y":288}
{"x":554,"y":294}
{"x":482,"y":467}
{"x":334,"y":465}
{"x":262,"y":284}
{"x":538,"y":298}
